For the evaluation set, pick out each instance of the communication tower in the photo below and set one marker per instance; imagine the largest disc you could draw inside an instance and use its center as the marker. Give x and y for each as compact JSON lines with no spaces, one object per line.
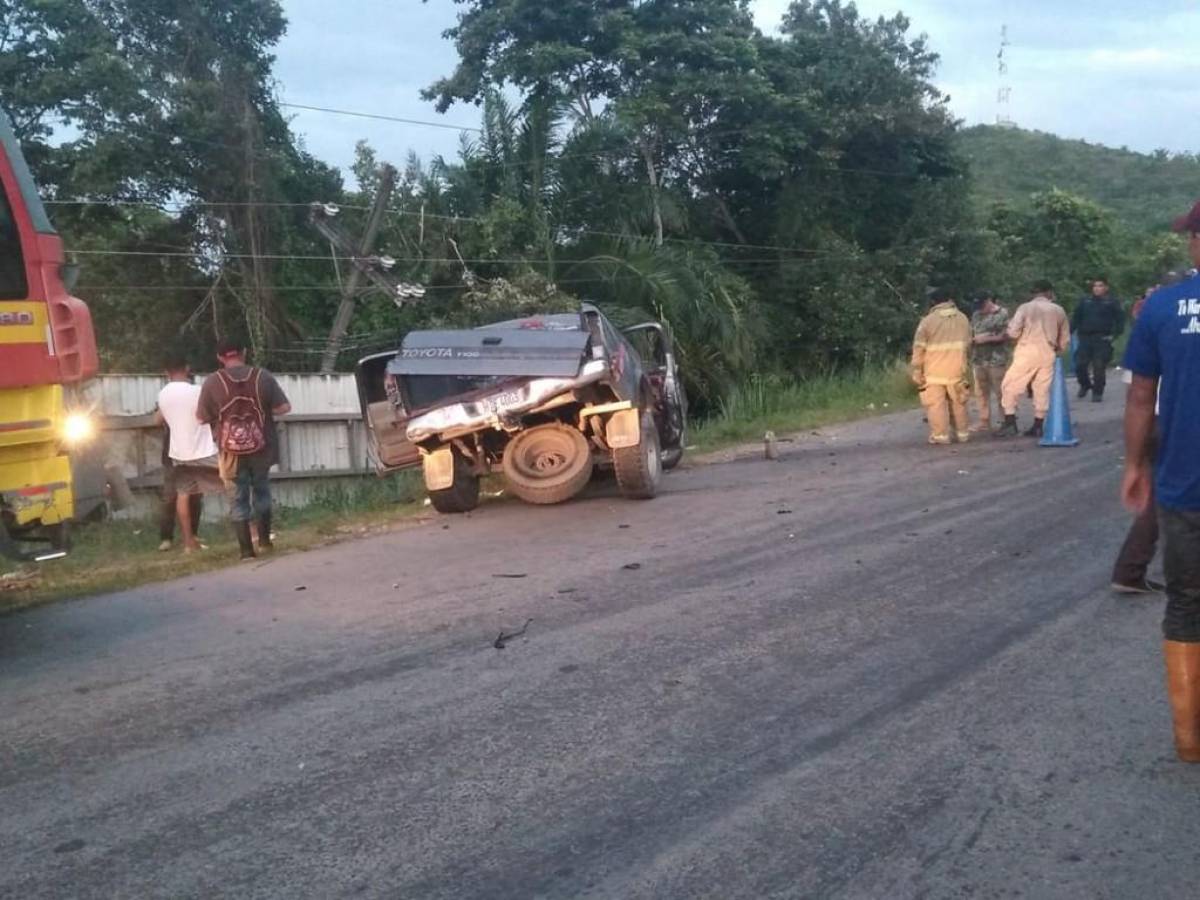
{"x":1004,"y":91}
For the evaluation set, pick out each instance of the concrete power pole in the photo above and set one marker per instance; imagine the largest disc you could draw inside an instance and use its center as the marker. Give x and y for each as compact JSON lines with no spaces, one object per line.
{"x":345,"y":312}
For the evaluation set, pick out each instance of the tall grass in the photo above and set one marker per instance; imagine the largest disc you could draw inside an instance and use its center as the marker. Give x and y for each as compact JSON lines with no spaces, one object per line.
{"x":776,"y":403}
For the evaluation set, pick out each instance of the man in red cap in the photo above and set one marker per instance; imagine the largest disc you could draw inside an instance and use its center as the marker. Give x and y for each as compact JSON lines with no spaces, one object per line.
{"x":241,"y":402}
{"x":1164,"y":357}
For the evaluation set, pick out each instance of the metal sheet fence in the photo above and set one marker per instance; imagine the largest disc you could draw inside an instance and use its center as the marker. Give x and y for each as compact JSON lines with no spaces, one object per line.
{"x":320,"y":440}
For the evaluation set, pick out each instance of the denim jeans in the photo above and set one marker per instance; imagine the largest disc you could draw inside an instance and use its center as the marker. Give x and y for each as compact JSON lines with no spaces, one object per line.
{"x":1181,"y":564}
{"x":250,"y":491}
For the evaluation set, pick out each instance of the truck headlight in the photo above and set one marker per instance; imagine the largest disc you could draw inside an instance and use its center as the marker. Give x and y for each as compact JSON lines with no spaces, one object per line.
{"x":78,"y":428}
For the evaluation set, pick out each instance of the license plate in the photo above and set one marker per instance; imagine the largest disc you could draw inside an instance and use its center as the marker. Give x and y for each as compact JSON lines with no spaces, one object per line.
{"x":500,"y":401}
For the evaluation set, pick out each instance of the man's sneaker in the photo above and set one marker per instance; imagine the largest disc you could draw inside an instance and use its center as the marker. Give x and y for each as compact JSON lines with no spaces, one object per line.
{"x":1083,"y":392}
{"x":1035,"y":430}
{"x":939,"y":439}
{"x":963,"y":437}
{"x":1008,"y":429}
{"x":1097,"y":398}
{"x":165,"y":546}
{"x":1142,"y":586}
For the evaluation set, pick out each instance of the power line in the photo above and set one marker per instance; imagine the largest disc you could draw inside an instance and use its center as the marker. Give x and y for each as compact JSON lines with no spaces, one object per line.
{"x":452,"y":260}
{"x":381,"y":117}
{"x":443,"y":217}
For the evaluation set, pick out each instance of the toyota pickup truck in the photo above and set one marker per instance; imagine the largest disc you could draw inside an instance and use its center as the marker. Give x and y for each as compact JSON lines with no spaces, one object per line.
{"x":544,"y":400}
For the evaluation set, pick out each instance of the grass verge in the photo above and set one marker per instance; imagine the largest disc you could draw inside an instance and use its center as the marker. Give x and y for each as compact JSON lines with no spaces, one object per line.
{"x":114,"y":555}
{"x":771,"y":403}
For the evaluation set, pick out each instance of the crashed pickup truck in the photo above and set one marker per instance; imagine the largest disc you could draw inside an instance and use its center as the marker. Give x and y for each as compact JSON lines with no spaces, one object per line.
{"x":543,"y":400}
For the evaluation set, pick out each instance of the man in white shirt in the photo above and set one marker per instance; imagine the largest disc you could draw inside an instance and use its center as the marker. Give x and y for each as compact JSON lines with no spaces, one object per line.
{"x":192,"y":450}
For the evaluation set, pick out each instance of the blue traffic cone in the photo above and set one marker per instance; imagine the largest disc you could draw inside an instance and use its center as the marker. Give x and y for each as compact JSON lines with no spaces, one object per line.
{"x":1057,"y":431}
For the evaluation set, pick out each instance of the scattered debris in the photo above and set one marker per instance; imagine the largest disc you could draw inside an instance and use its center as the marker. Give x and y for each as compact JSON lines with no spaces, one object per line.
{"x":70,"y":846}
{"x":566,"y":590}
{"x":19,"y":580}
{"x":509,"y":575}
{"x":502,"y":638}
{"x":783,"y":512}
{"x":622,"y":526}
{"x":770,"y":446}
{"x":632,"y":566}
{"x":301,"y":587}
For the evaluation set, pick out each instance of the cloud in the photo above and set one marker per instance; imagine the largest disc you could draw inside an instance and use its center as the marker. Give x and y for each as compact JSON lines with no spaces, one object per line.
{"x":1111,"y":76}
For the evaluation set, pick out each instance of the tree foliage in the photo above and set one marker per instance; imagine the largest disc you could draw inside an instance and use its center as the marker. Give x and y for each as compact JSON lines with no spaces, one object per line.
{"x":781,"y":199}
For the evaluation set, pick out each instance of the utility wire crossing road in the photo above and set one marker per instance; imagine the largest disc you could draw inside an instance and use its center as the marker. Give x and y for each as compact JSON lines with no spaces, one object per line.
{"x":870,"y":669}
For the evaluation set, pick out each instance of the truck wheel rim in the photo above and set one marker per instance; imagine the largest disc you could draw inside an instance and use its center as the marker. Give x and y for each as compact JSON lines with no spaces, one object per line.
{"x":544,"y":456}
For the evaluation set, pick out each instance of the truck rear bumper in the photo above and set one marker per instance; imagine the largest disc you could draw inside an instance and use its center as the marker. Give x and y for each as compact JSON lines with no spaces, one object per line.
{"x":37,"y":490}
{"x":456,"y":419}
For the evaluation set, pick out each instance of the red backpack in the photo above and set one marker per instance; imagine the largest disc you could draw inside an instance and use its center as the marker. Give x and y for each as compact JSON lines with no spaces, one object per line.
{"x":243,"y":426}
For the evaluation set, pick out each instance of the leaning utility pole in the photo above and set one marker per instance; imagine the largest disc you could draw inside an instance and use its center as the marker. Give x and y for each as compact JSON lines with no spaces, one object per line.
{"x":345,"y":312}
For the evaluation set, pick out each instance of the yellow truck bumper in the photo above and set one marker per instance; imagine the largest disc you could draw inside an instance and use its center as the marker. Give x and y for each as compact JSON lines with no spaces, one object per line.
{"x":38,"y":490}
{"x":35,"y":474}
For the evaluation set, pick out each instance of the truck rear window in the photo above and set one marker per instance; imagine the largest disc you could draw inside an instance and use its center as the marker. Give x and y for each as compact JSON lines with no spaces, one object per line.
{"x":12,"y":261}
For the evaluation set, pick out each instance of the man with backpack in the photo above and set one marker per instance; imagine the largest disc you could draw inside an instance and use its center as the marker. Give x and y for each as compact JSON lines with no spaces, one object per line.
{"x":241,"y":403}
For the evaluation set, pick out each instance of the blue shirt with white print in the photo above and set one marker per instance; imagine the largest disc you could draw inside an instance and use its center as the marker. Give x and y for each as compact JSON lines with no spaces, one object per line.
{"x":1165,"y":344}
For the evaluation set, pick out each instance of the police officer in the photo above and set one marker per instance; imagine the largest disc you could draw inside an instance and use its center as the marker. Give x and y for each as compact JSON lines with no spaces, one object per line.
{"x":1099,"y":320}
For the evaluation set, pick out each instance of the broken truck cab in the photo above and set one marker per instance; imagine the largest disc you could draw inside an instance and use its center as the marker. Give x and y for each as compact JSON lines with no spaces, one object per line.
{"x":543,"y":400}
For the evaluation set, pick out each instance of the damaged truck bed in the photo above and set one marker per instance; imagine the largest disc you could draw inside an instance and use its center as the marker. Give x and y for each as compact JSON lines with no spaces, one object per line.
{"x":543,"y":400}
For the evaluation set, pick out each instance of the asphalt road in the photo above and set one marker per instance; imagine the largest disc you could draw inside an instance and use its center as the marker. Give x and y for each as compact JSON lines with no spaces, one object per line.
{"x":870,"y":669}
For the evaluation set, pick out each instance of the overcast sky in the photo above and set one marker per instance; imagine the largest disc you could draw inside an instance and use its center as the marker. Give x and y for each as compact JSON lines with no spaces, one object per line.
{"x":1116,"y":72}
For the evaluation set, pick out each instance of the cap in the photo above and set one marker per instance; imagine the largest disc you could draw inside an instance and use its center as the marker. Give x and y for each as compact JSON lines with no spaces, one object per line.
{"x":1190,"y":222}
{"x":229,"y":347}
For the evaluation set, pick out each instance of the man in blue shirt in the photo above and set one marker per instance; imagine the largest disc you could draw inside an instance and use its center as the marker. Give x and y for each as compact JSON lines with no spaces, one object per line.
{"x":1164,"y":358}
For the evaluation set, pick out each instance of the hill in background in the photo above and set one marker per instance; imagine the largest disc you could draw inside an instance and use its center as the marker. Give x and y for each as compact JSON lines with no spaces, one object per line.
{"x":1145,"y":190}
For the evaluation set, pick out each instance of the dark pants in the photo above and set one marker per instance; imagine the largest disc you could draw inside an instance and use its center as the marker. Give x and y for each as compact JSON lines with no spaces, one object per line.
{"x":250,"y":491}
{"x":1181,"y":562}
{"x":166,"y":513}
{"x":1091,"y":363}
{"x":1138,"y":550}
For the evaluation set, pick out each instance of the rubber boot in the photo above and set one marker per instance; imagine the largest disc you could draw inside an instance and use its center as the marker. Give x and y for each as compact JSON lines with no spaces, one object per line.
{"x":242,"y":530}
{"x":1035,"y":430}
{"x":264,"y":532}
{"x":1008,"y":429}
{"x":1183,"y":689}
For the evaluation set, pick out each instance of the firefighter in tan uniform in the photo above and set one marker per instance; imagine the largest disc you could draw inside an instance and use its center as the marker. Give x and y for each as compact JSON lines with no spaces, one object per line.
{"x":1041,"y":330}
{"x":939,"y":367}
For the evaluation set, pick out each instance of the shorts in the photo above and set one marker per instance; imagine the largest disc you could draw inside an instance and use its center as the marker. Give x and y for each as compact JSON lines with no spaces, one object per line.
{"x":198,"y":476}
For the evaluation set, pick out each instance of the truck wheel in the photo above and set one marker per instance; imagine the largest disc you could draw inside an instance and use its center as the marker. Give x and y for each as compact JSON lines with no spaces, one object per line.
{"x":639,"y":469}
{"x":547,"y":464}
{"x":463,"y":495}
